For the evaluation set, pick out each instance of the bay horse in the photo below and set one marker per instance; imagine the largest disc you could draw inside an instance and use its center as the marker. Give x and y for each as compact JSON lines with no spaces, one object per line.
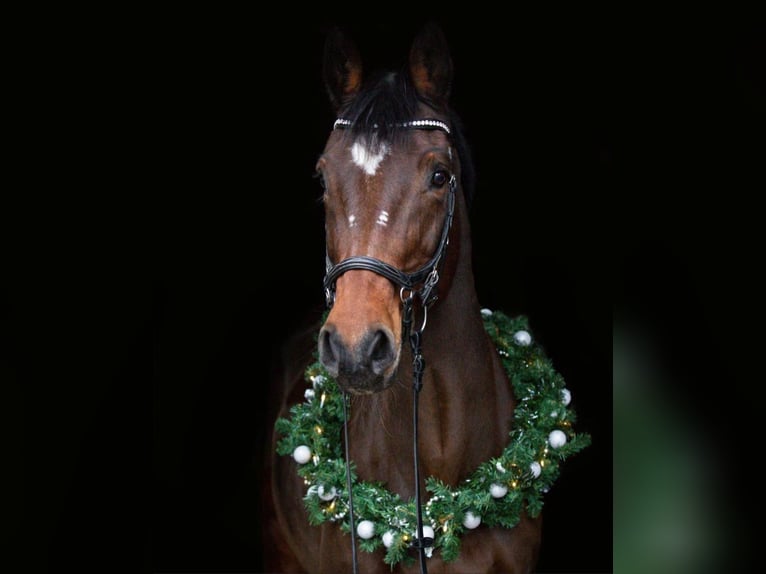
{"x":397,"y":180}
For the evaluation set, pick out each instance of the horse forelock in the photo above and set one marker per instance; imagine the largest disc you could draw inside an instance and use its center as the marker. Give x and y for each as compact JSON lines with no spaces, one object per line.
{"x":377,"y":116}
{"x":385,"y":102}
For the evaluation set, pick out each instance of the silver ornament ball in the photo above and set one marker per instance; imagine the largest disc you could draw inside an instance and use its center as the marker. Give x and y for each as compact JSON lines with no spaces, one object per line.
{"x":302,"y":454}
{"x":366,"y":529}
{"x":471,"y":520}
{"x":557,"y":438}
{"x":522,"y":338}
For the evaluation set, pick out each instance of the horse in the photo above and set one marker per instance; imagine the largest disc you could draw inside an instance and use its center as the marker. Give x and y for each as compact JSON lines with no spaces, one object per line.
{"x":403,"y":321}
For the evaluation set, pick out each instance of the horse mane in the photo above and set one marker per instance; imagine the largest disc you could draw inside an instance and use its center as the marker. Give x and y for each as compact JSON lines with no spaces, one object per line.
{"x":386,"y":101}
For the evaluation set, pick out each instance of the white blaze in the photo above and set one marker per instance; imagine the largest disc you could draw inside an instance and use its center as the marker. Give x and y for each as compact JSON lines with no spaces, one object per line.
{"x":364,"y":159}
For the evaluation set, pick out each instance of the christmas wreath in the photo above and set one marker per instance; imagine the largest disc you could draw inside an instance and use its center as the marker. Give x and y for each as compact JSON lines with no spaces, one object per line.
{"x":494,"y":495}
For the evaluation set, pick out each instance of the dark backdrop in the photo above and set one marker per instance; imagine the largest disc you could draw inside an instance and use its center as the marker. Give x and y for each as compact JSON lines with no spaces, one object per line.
{"x":611,"y":155}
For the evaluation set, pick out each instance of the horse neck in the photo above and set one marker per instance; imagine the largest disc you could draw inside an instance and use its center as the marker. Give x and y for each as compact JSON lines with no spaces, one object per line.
{"x":465,"y":402}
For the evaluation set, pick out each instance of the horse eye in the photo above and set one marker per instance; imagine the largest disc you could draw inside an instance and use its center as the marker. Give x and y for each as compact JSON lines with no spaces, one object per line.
{"x":439,"y":178}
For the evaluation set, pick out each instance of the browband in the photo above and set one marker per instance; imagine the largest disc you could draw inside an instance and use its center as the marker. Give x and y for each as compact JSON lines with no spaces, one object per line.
{"x":425,"y":124}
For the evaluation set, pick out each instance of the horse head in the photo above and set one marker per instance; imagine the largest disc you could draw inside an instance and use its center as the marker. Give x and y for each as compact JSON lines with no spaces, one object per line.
{"x":389,"y":171}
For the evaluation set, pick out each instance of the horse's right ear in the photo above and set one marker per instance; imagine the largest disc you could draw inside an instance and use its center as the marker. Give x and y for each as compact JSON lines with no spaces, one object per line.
{"x":342,"y":68}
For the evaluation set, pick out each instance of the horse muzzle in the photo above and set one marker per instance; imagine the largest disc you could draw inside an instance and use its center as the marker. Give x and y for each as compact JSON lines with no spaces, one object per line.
{"x":365,"y":365}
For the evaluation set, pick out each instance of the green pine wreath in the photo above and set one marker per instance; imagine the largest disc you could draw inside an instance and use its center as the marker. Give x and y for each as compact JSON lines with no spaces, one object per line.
{"x":494,"y":495}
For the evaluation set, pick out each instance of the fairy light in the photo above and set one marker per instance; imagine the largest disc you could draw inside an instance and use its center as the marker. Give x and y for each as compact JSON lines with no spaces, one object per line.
{"x":318,"y":429}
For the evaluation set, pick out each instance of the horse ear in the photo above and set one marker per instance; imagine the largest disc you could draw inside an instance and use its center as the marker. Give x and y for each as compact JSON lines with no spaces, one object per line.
{"x":342,"y":68}
{"x":431,"y":65}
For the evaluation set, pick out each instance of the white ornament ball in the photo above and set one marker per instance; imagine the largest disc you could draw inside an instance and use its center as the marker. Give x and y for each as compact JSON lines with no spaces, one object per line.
{"x":428,"y":532}
{"x":318,"y":381}
{"x":566,"y":396}
{"x":486,"y":312}
{"x":302,"y":454}
{"x":522,"y":338}
{"x":498,"y":490}
{"x":471,"y":520}
{"x":365,"y":529}
{"x":388,"y":538}
{"x":327,"y":494}
{"x":536,"y":469}
{"x":309,"y":394}
{"x":557,"y":439}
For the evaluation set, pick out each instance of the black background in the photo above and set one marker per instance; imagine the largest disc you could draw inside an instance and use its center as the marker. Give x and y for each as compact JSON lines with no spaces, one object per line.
{"x":616,"y":158}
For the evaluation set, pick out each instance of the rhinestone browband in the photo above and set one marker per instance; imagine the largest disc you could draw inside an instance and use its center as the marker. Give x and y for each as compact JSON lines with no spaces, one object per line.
{"x":418,"y":124}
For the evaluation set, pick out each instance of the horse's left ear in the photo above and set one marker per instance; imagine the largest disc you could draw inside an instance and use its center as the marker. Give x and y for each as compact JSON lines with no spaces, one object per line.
{"x":431,"y":65}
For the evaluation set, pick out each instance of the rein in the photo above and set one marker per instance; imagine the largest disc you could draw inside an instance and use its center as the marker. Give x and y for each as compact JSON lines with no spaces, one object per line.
{"x":428,"y":276}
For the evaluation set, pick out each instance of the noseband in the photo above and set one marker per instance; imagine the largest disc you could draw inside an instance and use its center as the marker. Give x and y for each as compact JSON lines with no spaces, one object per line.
{"x":422,"y":283}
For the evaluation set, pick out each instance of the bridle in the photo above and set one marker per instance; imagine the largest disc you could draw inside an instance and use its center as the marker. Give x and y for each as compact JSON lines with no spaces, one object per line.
{"x":428,"y":274}
{"x":420,"y":284}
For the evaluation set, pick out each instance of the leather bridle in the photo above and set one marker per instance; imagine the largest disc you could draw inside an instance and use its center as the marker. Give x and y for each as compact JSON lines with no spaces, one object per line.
{"x":428,"y":274}
{"x":421,"y":284}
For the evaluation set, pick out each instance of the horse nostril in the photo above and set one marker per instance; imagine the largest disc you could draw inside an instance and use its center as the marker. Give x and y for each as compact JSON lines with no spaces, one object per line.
{"x":329,"y":351}
{"x":363,"y":366}
{"x":380,"y":350}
